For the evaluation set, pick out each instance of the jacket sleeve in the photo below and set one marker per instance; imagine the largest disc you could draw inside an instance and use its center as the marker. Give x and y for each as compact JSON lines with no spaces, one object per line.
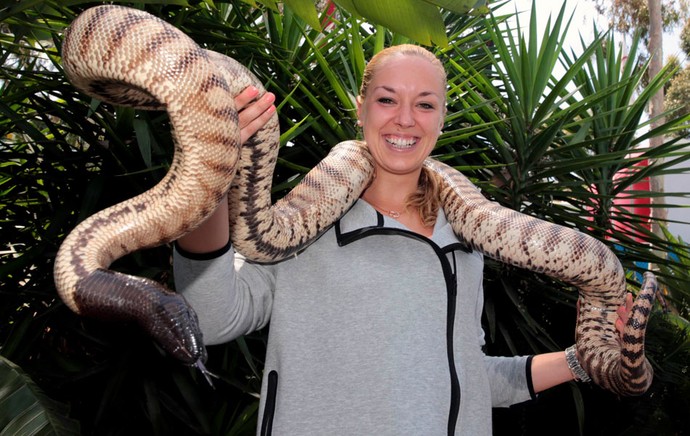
{"x":510,"y":378}
{"x":231,"y":296}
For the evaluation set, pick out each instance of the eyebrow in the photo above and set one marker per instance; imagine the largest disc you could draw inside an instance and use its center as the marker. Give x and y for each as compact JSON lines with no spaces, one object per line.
{"x":421,"y":94}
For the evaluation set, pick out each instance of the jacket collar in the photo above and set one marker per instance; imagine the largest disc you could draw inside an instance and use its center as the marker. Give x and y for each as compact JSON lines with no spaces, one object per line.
{"x":362,"y":219}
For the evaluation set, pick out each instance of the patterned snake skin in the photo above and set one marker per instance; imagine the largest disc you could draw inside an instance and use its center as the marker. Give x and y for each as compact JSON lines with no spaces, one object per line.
{"x":128,"y":57}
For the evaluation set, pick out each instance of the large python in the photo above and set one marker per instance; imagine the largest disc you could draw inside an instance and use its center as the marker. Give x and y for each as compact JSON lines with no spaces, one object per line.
{"x":128,"y":57}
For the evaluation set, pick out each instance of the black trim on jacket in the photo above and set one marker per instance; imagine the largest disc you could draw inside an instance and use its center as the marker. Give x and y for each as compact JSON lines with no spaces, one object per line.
{"x":528,"y":378}
{"x":450,"y":278}
{"x":270,"y":404}
{"x":203,"y":256}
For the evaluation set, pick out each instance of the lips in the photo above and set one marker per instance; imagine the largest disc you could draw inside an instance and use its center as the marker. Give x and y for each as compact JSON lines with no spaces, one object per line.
{"x":401,"y":142}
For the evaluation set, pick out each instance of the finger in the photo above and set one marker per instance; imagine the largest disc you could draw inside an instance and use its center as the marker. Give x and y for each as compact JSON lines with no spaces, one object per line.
{"x":256,"y":123}
{"x":245,"y":97}
{"x":622,"y":314}
{"x":625,"y":308}
{"x":256,"y":109}
{"x":620,"y":327}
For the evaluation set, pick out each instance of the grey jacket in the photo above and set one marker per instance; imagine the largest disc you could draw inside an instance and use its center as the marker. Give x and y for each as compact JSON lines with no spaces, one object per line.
{"x":374,"y":330}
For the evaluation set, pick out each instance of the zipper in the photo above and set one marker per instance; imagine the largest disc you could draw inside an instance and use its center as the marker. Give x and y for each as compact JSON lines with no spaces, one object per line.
{"x":270,"y":405}
{"x":455,"y":393}
{"x":450,"y":278}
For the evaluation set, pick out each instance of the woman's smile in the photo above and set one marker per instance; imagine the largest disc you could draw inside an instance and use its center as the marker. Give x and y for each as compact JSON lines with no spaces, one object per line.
{"x":401,"y":142}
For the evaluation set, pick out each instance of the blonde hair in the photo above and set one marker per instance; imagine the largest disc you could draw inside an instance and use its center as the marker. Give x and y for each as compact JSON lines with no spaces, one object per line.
{"x":398,"y":50}
{"x":427,"y":198}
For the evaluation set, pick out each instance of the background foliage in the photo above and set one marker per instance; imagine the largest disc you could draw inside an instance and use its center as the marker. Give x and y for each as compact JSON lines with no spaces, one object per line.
{"x":560,"y":148}
{"x":632,"y":17}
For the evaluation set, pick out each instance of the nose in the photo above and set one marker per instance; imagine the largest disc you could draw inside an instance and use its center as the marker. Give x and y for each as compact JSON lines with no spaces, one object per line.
{"x":404,"y":117}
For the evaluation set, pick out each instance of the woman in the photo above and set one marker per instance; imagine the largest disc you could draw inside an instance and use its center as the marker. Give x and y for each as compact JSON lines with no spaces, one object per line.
{"x":375,"y":328}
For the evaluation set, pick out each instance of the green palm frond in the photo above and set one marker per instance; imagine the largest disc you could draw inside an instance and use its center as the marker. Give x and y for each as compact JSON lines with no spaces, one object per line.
{"x":26,"y":410}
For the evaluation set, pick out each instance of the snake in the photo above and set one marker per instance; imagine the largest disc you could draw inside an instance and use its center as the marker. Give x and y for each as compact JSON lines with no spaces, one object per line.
{"x":130,"y":58}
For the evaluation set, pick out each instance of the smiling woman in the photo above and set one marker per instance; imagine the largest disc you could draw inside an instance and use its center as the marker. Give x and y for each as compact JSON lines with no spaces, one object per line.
{"x":385,"y":307}
{"x":401,"y":118}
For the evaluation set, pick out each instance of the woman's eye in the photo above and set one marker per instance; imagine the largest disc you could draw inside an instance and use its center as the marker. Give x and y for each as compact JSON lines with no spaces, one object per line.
{"x":426,"y":106}
{"x":385,"y":100}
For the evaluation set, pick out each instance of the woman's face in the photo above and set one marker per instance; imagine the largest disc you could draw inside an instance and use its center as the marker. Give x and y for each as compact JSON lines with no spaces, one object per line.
{"x":402,"y":113}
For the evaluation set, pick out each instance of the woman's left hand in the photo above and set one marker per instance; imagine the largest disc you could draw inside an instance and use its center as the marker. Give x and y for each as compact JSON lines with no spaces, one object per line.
{"x":624,"y":313}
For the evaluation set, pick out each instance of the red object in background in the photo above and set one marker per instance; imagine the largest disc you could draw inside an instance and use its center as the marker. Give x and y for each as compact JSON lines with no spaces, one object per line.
{"x":634,"y":204}
{"x":328,"y":18}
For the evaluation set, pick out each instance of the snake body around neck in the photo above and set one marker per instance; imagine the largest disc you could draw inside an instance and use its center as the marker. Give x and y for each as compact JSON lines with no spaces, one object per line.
{"x":130,"y":58}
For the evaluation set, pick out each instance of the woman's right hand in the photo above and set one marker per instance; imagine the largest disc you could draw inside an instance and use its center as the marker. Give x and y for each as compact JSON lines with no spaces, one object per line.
{"x":253,"y":113}
{"x":214,"y":233}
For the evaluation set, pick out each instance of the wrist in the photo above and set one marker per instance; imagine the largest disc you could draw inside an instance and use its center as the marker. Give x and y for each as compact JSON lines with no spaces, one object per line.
{"x":578,"y":372}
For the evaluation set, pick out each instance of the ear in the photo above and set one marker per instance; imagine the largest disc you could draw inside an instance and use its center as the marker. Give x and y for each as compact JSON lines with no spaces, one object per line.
{"x":443,"y":118}
{"x":358,"y":100}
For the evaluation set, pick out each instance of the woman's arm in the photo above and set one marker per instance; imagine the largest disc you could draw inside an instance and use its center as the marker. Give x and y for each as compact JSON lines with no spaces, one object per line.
{"x":549,"y":370}
{"x":214,"y":234}
{"x":230,"y":296}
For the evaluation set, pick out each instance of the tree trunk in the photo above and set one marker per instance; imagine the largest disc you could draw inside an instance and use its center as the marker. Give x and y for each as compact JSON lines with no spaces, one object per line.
{"x":657,"y":105}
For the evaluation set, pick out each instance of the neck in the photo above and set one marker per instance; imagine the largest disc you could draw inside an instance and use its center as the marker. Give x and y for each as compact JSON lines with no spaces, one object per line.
{"x":391,"y":191}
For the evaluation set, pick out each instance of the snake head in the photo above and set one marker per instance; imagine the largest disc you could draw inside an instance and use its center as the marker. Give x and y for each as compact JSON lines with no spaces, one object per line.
{"x":175,"y":326}
{"x":164,"y":315}
{"x":184,"y":339}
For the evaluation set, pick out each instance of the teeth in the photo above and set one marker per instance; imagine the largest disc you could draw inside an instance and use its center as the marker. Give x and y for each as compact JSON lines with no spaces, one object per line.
{"x":401,"y":142}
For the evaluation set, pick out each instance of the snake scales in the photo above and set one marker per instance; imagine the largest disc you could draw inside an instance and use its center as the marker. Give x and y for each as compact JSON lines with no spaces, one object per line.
{"x":128,"y":57}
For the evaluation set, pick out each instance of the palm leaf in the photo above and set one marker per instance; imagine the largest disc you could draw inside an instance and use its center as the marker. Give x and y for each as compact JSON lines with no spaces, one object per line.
{"x":26,"y":410}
